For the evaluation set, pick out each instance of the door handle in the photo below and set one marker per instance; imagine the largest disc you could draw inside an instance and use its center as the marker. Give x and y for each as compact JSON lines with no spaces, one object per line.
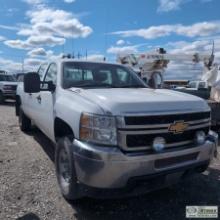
{"x":38,"y":99}
{"x":30,"y":94}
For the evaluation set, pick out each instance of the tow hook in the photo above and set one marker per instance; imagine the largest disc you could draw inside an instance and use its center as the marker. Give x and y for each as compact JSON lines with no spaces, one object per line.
{"x":213,"y":137}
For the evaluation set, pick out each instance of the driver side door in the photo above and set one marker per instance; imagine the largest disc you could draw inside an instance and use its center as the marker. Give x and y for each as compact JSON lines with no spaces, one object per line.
{"x":45,"y":103}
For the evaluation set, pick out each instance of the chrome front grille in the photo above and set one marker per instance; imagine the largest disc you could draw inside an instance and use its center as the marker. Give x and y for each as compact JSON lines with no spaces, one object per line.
{"x":11,"y":87}
{"x":164,"y":119}
{"x":138,"y":133}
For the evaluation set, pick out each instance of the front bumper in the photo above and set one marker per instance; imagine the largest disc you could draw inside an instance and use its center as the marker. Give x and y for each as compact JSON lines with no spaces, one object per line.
{"x":110,"y":168}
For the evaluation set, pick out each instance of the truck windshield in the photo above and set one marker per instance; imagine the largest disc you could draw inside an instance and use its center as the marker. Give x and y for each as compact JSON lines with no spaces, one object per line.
{"x":99,"y":75}
{"x":7,"y":78}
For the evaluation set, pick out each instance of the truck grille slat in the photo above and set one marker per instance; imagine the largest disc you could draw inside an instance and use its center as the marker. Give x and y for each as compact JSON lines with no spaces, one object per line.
{"x":12,"y":87}
{"x":164,"y":119}
{"x":146,"y":140}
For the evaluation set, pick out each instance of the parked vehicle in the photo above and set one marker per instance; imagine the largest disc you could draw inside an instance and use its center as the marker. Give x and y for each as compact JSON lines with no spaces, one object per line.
{"x":210,"y":91}
{"x":152,"y":66}
{"x":8,"y":87}
{"x":197,"y":88}
{"x":114,"y":136}
{"x":198,"y":85}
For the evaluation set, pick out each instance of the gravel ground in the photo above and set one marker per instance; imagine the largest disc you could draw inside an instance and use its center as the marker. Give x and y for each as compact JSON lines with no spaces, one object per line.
{"x":29,"y":191}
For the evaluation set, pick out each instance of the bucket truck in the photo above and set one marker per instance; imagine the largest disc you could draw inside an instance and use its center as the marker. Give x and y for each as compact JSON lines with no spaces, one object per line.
{"x":151,"y":67}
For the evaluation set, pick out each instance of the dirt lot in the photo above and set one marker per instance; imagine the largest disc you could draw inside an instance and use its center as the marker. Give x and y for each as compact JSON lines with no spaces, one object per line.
{"x":29,"y":191}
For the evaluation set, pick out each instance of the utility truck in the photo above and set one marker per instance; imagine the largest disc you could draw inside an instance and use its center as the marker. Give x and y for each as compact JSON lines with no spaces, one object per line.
{"x":113,"y":135}
{"x":151,"y":66}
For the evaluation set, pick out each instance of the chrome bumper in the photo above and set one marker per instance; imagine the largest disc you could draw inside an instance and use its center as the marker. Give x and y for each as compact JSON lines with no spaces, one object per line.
{"x":109,"y":167}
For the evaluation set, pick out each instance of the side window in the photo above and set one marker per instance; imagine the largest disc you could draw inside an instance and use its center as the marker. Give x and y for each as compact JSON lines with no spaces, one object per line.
{"x":42,"y":70}
{"x":107,"y":75}
{"x":76,"y":74}
{"x":88,"y":75}
{"x":20,"y":78}
{"x":122,"y":76}
{"x":51,"y":74}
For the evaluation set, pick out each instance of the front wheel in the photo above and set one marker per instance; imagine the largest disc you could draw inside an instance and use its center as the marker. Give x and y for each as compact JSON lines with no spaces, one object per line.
{"x":65,"y":169}
{"x":24,"y":121}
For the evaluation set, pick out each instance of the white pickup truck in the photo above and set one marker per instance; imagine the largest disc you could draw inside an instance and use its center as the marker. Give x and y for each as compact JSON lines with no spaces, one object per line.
{"x":114,"y":136}
{"x":8,"y":87}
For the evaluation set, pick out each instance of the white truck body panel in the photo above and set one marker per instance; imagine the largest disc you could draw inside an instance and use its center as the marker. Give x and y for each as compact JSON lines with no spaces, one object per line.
{"x":143,"y":101}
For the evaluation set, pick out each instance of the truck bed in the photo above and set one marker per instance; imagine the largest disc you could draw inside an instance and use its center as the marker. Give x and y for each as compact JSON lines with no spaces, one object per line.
{"x":202,"y":93}
{"x":214,"y":105}
{"x":211,"y":101}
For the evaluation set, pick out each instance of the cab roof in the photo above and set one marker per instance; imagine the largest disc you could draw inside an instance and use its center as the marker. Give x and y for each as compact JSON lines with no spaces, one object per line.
{"x":69,"y":60}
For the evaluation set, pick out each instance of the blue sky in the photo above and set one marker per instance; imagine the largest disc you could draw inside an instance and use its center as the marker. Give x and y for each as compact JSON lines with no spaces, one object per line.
{"x":35,"y":30}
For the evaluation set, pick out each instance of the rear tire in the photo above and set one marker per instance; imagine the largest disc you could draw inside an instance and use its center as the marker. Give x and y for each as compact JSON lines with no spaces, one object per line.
{"x":2,"y":98}
{"x":65,"y":170}
{"x":17,"y":105}
{"x":24,"y":122}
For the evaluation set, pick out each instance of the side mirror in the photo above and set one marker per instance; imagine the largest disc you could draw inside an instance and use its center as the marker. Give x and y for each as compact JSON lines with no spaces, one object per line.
{"x":31,"y":82}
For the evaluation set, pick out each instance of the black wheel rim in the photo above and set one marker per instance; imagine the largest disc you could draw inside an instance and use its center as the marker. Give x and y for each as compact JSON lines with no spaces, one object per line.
{"x":64,"y":168}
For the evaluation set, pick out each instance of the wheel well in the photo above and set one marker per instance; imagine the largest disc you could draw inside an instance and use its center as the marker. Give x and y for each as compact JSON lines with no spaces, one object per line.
{"x":61,"y":129}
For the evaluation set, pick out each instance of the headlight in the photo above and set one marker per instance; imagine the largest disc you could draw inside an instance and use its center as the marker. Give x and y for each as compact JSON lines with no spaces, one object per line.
{"x":200,"y":137}
{"x":159,"y":144}
{"x":99,"y":129}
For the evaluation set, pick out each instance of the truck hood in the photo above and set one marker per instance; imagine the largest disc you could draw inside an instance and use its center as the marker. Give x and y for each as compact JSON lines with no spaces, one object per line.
{"x":8,"y":83}
{"x":142,"y":101}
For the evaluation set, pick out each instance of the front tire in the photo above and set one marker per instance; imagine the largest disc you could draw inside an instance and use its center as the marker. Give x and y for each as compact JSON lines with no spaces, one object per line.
{"x":65,"y":169}
{"x":24,"y":122}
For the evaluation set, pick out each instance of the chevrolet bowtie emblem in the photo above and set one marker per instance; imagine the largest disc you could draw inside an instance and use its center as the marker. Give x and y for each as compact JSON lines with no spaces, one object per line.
{"x":178,"y":127}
